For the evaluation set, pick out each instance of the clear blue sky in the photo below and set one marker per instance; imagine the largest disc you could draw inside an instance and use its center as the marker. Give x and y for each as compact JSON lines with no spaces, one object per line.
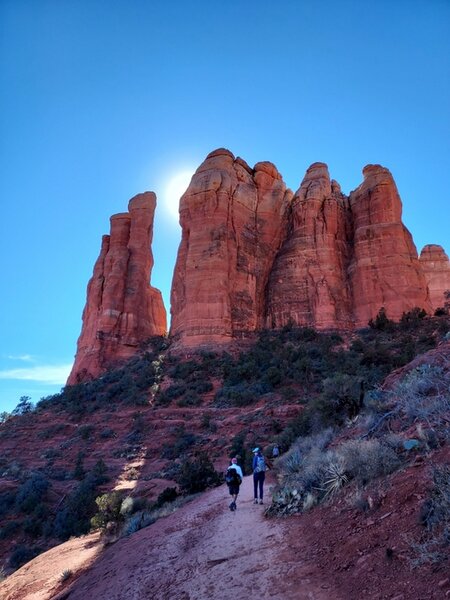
{"x":102,"y":99}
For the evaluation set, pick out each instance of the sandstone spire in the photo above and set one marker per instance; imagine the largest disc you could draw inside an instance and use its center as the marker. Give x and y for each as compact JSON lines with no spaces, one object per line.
{"x":436,"y":269}
{"x":384,"y":270}
{"x":233,"y":221}
{"x":122,"y":308}
{"x":308,"y":284}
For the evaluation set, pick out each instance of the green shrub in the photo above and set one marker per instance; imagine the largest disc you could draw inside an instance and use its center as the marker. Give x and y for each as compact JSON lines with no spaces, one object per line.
{"x":197,"y":474}
{"x":31,"y":492}
{"x":23,"y":554}
{"x":169,"y":494}
{"x":109,"y":510}
{"x":183,"y":441}
{"x":9,"y":529}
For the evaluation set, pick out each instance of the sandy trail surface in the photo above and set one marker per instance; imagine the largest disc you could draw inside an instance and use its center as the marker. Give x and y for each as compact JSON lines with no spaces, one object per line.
{"x":203,"y":552}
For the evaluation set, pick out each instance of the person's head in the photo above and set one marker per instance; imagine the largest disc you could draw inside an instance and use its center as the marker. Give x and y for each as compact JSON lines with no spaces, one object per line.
{"x":234,"y":461}
{"x":257,"y":451}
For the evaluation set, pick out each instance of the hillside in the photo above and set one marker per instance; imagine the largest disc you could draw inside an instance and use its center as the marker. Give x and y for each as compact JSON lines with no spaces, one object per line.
{"x":158,"y":422}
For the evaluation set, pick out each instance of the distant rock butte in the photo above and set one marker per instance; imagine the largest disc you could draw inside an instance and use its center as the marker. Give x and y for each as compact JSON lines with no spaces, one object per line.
{"x":436,"y":268}
{"x":255,"y":255}
{"x":122,"y":308}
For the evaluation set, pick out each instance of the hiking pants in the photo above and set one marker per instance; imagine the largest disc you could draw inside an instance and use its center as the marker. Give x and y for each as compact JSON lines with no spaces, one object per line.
{"x":258,"y":480}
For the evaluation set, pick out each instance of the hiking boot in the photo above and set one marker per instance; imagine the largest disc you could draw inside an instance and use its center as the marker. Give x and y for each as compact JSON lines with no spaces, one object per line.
{"x":261,"y":502}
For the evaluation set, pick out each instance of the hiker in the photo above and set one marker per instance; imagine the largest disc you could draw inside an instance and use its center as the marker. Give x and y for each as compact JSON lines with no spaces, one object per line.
{"x":259,"y":474}
{"x":233,"y":478}
{"x":275,"y":451}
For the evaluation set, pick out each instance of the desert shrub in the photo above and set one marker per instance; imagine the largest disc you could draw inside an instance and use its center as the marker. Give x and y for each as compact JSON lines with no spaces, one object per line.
{"x":412,"y":318}
{"x":197,"y":474}
{"x":31,"y":492}
{"x":381,"y":321}
{"x":311,"y":472}
{"x":51,"y":431}
{"x":65,"y":575}
{"x":435,"y":512}
{"x":201,"y":387}
{"x":364,"y":460}
{"x":183,"y":441}
{"x":169,"y":494}
{"x":190,"y":398}
{"x":109,"y":510}
{"x":423,"y":394}
{"x":24,"y":407}
{"x":7,"y":501}
{"x":33,"y":526}
{"x":79,"y":471}
{"x":23,"y":554}
{"x":85,"y":431}
{"x":9,"y":529}
{"x":74,"y":517}
{"x":175,"y":390}
{"x":107,"y":433}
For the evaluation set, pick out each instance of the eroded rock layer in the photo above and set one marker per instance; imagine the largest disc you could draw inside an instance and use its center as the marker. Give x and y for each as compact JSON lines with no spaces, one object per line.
{"x":436,"y":269}
{"x":122,"y":308}
{"x":233,"y":221}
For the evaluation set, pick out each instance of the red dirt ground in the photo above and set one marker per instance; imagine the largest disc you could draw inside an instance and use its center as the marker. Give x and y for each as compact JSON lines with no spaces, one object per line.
{"x":205,"y":552}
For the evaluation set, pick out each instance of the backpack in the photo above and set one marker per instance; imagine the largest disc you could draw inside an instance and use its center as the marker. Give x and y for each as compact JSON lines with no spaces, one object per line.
{"x":260,"y":464}
{"x":232,"y":477}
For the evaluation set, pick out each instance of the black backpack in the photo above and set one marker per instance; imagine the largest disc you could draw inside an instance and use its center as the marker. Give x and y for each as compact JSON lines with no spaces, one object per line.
{"x":232,"y":477}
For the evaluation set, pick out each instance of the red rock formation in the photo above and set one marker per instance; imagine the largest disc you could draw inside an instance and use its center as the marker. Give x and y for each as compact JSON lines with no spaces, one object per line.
{"x":233,"y":221}
{"x":308,"y":283}
{"x":122,"y":308}
{"x":384,"y":271}
{"x":436,"y":269}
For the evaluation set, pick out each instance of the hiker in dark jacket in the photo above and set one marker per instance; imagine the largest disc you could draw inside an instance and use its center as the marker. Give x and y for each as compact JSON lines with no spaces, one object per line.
{"x":233,"y":478}
{"x":259,"y":474}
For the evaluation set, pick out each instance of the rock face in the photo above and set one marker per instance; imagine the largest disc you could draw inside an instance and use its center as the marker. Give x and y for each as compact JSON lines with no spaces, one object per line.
{"x":253,"y":255}
{"x":384,"y":270}
{"x":308,"y":282}
{"x":122,"y":308}
{"x":436,"y":268}
{"x":233,"y":221}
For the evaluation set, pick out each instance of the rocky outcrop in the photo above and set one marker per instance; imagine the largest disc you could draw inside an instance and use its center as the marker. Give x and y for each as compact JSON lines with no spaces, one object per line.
{"x":255,"y":255}
{"x":436,"y":269}
{"x":252,"y":255}
{"x":233,"y":221}
{"x":122,"y":308}
{"x":384,"y":270}
{"x":308,"y":283}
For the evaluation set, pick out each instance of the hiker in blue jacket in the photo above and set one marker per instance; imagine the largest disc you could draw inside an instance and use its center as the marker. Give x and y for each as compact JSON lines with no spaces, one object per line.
{"x":259,"y":474}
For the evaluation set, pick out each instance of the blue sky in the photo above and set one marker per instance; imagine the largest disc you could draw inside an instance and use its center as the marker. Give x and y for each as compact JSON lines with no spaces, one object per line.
{"x":102,"y":99}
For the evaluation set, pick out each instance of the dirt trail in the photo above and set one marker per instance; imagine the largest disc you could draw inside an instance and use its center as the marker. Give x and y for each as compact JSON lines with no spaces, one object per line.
{"x":204,"y":552}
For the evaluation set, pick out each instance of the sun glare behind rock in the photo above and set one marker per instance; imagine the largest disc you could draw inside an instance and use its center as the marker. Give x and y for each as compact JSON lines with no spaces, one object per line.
{"x":176,"y":187}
